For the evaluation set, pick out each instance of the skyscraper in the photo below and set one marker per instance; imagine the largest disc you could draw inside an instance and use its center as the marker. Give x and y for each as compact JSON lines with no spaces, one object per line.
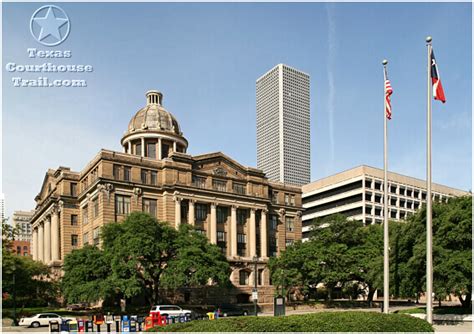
{"x":283,"y":132}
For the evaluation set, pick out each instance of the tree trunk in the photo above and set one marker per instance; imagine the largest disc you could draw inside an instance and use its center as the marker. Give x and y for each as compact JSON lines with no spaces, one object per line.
{"x":370,"y":296}
{"x":466,"y":302}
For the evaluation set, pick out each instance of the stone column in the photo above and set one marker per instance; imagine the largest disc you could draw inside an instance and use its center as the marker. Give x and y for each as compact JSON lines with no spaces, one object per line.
{"x":143,"y":147}
{"x":213,"y":228}
{"x":159,"y":148}
{"x":233,"y":231}
{"x":47,"y":240}
{"x":191,"y":212}
{"x":174,"y":147}
{"x":177,"y":212}
{"x":263,"y":233}
{"x":35,"y":244}
{"x":55,"y":234}
{"x":129,"y":147}
{"x":41,"y":242}
{"x":252,"y":234}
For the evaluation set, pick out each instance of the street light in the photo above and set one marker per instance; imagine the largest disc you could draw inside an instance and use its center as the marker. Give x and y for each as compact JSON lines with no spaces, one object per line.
{"x":255,"y":291}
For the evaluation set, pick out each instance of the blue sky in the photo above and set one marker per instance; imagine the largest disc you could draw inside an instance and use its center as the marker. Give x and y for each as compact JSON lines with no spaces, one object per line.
{"x":205,"y":58}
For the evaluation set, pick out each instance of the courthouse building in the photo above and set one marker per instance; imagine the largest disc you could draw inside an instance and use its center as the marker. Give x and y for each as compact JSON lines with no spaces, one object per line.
{"x":238,"y":208}
{"x":358,"y":194}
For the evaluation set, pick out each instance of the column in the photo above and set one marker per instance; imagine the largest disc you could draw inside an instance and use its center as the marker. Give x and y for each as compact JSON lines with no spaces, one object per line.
{"x":233,"y":231}
{"x":55,"y":235}
{"x":159,"y":148}
{"x":177,"y":212}
{"x":129,"y":147}
{"x":191,"y":212}
{"x":35,"y":244}
{"x":143,"y":147}
{"x":41,"y":242}
{"x":213,"y":223}
{"x":263,"y":233}
{"x":47,"y":240}
{"x":174,"y":147}
{"x":252,"y":234}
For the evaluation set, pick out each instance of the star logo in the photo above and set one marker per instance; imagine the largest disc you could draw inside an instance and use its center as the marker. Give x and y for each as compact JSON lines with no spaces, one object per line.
{"x":50,"y":25}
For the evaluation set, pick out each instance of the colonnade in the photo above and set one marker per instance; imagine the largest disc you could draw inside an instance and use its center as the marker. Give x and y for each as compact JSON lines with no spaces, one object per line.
{"x":46,"y":237}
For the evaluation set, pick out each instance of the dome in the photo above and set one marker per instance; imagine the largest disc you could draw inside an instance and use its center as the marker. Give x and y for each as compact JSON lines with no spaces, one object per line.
{"x":153,"y":117}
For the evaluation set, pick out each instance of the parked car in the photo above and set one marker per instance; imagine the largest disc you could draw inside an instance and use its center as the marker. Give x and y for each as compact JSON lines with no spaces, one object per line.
{"x":171,"y":310}
{"x":40,"y":319}
{"x":77,"y":307}
{"x":229,"y":310}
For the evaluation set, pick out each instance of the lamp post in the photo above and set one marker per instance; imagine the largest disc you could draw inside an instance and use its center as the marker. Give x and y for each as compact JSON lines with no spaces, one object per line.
{"x":255,"y":291}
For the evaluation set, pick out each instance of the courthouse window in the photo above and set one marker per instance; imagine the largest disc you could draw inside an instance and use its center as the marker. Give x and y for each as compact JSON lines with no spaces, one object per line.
{"x":144,"y":176}
{"x":243,"y":277}
{"x":199,"y":182}
{"x":221,"y":215}
{"x":201,"y":212}
{"x":85,"y":238}
{"x":149,"y":206}
{"x":85,"y":218}
{"x":274,"y":222}
{"x":126,"y":173}
{"x":220,"y":236}
{"x":241,"y":216}
{"x":122,"y":205}
{"x":219,"y":185}
{"x":74,"y":241}
{"x":73,"y":220}
{"x":154,"y":177}
{"x":96,"y":207}
{"x":95,"y":235}
{"x":239,"y":188}
{"x":138,"y":149}
{"x":151,"y":150}
{"x":290,"y":224}
{"x":73,"y":189}
{"x":116,"y":169}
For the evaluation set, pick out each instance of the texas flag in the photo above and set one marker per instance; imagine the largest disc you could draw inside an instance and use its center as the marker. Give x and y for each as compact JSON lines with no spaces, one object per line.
{"x":438,"y":91}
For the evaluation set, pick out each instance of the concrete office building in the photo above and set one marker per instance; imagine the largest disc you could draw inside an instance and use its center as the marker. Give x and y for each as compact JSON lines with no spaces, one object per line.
{"x":235,"y":206}
{"x":358,"y":194}
{"x":283,"y":125}
{"x":22,"y":221}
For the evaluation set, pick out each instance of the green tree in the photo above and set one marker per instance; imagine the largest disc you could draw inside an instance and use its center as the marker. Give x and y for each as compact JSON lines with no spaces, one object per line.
{"x":140,"y":256}
{"x":86,"y":275}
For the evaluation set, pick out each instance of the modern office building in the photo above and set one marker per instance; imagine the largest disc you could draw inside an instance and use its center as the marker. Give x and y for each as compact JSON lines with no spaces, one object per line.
{"x":22,"y":221}
{"x":283,"y":125}
{"x":358,"y":194}
{"x":235,"y":206}
{"x":2,"y":206}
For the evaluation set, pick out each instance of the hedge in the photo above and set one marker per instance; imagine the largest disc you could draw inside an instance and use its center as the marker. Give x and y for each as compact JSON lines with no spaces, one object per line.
{"x":351,"y":321}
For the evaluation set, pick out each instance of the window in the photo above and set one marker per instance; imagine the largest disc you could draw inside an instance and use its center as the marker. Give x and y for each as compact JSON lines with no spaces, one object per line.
{"x":201,"y":212}
{"x":241,"y":238}
{"x":96,"y":207}
{"x":260,"y":277}
{"x":73,"y":189}
{"x":96,"y":235}
{"x":122,"y":205}
{"x":73,"y":220}
{"x":221,"y":215}
{"x":138,"y":149}
{"x":18,"y":250}
{"x":292,"y":200}
{"x":151,"y":150}
{"x":126,"y":173}
{"x":165,"y":151}
{"x":290,"y":224}
{"x":219,"y":185}
{"x":243,"y":277}
{"x":85,"y":239}
{"x":289,"y":242}
{"x":85,"y":218}
{"x":220,"y":236}
{"x":239,"y":188}
{"x":154,"y":177}
{"x":241,"y":216}
{"x":199,"y":181}
{"x":274,"y":222}
{"x":275,"y":197}
{"x":287,"y":199}
{"x":149,"y":206}
{"x":74,"y":240}
{"x":144,"y":176}
{"x":273,"y":246}
{"x":116,"y":172}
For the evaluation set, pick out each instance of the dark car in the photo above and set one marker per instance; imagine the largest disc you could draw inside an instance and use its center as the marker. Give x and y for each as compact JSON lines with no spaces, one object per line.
{"x":229,"y":310}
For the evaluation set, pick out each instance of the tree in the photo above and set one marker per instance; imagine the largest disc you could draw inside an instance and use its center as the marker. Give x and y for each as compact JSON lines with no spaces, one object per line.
{"x":86,"y":275}
{"x":452,"y":250}
{"x":140,"y":256}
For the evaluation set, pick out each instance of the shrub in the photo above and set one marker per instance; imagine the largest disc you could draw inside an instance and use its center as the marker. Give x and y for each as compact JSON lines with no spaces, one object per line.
{"x":315,"y":322}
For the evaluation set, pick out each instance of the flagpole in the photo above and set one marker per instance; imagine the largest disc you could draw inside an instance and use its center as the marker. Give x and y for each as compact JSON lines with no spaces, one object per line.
{"x":386,"y":271}
{"x":429,"y":242}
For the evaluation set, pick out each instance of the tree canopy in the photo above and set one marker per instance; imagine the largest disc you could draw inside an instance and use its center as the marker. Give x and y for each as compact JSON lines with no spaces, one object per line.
{"x":140,"y":256}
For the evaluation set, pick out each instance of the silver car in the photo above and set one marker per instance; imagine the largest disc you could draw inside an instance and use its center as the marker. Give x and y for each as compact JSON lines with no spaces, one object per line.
{"x":40,"y":319}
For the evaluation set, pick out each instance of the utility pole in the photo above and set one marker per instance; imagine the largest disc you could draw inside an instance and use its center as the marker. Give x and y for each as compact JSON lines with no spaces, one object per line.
{"x":255,"y":291}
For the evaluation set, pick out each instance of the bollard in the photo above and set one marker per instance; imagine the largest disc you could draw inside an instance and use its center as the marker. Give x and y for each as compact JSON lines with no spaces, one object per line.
{"x":109,"y":323}
{"x":98,"y":328}
{"x":117,"y":326}
{"x":54,"y":326}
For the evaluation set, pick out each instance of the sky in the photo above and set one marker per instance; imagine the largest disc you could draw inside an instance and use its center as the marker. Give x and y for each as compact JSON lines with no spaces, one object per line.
{"x":205,"y":58}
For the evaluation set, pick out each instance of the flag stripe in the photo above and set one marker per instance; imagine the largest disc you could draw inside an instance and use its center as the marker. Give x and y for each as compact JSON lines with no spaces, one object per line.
{"x":438,"y":91}
{"x":388,"y":92}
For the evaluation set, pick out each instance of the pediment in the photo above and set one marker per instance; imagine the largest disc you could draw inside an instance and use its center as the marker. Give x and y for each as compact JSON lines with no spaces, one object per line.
{"x":48,"y":184}
{"x":220,"y":165}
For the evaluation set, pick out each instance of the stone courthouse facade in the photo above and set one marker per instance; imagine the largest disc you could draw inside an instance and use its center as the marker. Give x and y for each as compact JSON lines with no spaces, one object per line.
{"x":236,"y":207}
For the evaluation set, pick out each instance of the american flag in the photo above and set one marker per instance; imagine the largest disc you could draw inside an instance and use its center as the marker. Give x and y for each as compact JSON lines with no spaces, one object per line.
{"x":388,"y":92}
{"x":438,"y":91}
